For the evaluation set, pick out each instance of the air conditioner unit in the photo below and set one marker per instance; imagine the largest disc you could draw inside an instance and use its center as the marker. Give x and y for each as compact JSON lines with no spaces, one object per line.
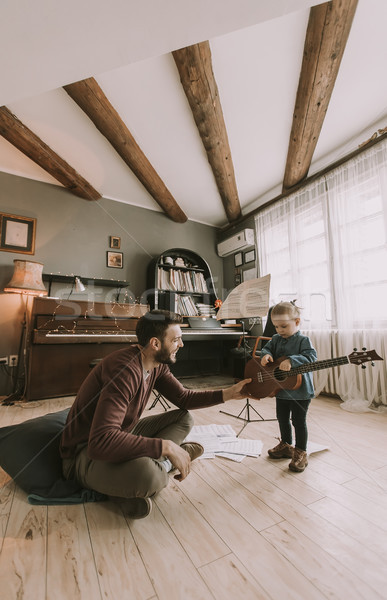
{"x":236,"y":242}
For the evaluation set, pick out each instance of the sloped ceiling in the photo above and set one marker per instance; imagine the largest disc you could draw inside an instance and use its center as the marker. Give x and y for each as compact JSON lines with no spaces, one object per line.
{"x":125,"y":47}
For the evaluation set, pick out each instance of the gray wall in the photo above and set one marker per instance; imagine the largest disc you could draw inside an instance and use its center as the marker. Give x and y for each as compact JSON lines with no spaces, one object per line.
{"x":73,"y":237}
{"x":229,"y":269}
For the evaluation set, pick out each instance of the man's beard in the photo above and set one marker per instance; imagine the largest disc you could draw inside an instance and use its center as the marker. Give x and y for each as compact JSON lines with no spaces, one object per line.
{"x":164,"y":357}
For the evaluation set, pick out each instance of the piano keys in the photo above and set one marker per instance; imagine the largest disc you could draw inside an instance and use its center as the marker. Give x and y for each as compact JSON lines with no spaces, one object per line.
{"x":101,"y":337}
{"x":62,"y":337}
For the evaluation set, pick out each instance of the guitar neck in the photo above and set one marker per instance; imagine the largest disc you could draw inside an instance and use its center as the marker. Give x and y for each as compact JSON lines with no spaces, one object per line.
{"x":320,"y":364}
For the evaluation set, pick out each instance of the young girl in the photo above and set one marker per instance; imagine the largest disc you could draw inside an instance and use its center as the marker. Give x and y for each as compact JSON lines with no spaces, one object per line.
{"x":297,"y":348}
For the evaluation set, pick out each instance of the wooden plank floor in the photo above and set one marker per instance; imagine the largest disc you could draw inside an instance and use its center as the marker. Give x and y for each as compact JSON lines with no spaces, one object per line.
{"x":230,"y":531}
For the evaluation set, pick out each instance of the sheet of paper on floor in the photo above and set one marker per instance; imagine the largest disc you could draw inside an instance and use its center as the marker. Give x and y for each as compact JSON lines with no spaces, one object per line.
{"x":234,"y":457}
{"x":221,"y":440}
{"x":242,"y":446}
{"x":313,"y":447}
{"x":218,"y":430}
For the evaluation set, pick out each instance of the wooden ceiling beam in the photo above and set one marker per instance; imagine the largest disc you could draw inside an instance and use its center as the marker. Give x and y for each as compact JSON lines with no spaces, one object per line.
{"x":15,"y":132}
{"x":194,"y":64}
{"x":326,"y":37}
{"x":92,"y":100}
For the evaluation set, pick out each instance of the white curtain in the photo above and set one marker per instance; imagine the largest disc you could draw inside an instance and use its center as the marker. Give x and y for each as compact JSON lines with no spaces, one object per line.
{"x":292,"y":246}
{"x":357,"y":205}
{"x":325,"y":245}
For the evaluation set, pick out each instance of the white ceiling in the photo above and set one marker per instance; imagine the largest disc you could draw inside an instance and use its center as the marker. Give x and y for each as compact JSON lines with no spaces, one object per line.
{"x":256,"y":50}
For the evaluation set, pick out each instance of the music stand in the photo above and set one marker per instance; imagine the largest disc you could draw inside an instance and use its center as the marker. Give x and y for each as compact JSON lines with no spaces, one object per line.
{"x":240,"y":306}
{"x":248,"y":406}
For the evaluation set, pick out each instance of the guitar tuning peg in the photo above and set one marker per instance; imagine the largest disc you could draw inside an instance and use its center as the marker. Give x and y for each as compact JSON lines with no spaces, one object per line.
{"x":355,"y":349}
{"x":364,"y":349}
{"x":363,"y":367}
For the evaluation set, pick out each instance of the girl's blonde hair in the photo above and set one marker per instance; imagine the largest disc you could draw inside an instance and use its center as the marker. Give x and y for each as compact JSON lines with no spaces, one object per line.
{"x":286,"y":308}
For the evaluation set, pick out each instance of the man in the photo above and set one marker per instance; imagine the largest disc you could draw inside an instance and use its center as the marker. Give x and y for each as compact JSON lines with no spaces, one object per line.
{"x":105,"y":445}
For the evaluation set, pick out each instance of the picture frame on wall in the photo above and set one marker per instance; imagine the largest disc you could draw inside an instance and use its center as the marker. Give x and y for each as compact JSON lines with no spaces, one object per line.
{"x":115,"y":259}
{"x":17,"y":234}
{"x":250,"y":256}
{"x":238,"y":259}
{"x":249,"y":274}
{"x":115,"y":242}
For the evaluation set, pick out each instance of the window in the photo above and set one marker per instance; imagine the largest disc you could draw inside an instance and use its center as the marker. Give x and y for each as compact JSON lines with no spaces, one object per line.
{"x":326,"y":245}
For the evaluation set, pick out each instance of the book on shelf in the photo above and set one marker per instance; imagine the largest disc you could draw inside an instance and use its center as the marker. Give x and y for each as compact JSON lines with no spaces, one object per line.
{"x":181,"y":281}
{"x":205,"y":310}
{"x":186,"y":306}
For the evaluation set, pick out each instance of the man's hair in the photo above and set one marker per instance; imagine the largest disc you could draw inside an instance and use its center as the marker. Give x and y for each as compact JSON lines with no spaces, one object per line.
{"x":155,"y":324}
{"x":286,"y":308}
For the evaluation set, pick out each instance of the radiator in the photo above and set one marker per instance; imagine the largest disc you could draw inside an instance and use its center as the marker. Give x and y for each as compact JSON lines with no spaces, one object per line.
{"x":350,"y":381}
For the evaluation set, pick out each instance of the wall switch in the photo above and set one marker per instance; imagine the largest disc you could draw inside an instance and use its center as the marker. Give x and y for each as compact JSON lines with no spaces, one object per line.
{"x":13,"y":360}
{"x":4,"y":360}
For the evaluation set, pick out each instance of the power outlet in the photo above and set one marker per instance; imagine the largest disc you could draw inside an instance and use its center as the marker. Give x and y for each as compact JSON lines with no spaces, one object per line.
{"x":13,"y":360}
{"x":4,"y":360}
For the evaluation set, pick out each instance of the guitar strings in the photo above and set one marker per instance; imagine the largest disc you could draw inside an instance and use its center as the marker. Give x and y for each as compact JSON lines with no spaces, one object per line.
{"x":317,"y":366}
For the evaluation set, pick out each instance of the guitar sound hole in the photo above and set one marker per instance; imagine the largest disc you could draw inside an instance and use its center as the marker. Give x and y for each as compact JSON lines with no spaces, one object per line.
{"x":279,"y":374}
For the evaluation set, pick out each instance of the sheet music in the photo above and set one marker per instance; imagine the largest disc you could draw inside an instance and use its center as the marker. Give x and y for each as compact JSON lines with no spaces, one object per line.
{"x":210,"y":442}
{"x":242,"y":446}
{"x":234,"y":457}
{"x":221,"y":440}
{"x":249,"y":299}
{"x":210,"y":437}
{"x":218,"y":430}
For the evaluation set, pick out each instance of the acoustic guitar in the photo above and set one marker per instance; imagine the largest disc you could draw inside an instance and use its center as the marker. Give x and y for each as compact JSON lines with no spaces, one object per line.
{"x":268,"y":380}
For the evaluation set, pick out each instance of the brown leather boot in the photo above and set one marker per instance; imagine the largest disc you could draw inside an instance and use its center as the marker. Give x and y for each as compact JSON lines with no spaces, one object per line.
{"x":281,"y":450}
{"x":299,"y":460}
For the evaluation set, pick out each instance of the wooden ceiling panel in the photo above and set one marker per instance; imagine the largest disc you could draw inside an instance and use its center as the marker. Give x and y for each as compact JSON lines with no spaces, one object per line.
{"x":194,"y":64}
{"x":20,"y":136}
{"x":326,"y":37}
{"x":92,"y":100}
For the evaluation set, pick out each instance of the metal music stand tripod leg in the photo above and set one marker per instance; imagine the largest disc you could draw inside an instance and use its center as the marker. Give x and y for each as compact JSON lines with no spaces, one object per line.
{"x":161,"y":399}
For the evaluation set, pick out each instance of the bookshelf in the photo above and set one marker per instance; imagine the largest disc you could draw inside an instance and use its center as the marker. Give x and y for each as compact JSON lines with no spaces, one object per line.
{"x":181,"y":281}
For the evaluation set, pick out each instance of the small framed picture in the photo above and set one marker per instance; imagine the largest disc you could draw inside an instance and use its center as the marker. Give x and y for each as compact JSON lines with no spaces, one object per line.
{"x":17,"y":234}
{"x":238,"y":259}
{"x":115,"y":260}
{"x":249,"y":256}
{"x":115,"y":242}
{"x":249,"y":274}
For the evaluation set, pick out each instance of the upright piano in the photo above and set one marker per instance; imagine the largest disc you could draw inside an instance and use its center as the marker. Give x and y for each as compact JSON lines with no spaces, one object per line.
{"x":65,"y":337}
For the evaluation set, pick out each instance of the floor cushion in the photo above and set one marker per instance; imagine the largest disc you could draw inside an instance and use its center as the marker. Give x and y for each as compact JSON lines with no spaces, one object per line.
{"x":29,"y":453}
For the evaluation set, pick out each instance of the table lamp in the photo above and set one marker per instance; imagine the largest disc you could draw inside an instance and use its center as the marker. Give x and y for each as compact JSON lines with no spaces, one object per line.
{"x":27,"y":278}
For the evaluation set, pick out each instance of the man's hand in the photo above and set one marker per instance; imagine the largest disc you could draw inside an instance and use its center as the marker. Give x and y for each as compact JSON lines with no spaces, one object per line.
{"x":179,"y":458}
{"x":235,"y":392}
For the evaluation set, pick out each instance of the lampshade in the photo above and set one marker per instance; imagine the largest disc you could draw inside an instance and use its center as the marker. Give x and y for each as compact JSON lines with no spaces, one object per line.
{"x":27,"y":278}
{"x":79,"y":287}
